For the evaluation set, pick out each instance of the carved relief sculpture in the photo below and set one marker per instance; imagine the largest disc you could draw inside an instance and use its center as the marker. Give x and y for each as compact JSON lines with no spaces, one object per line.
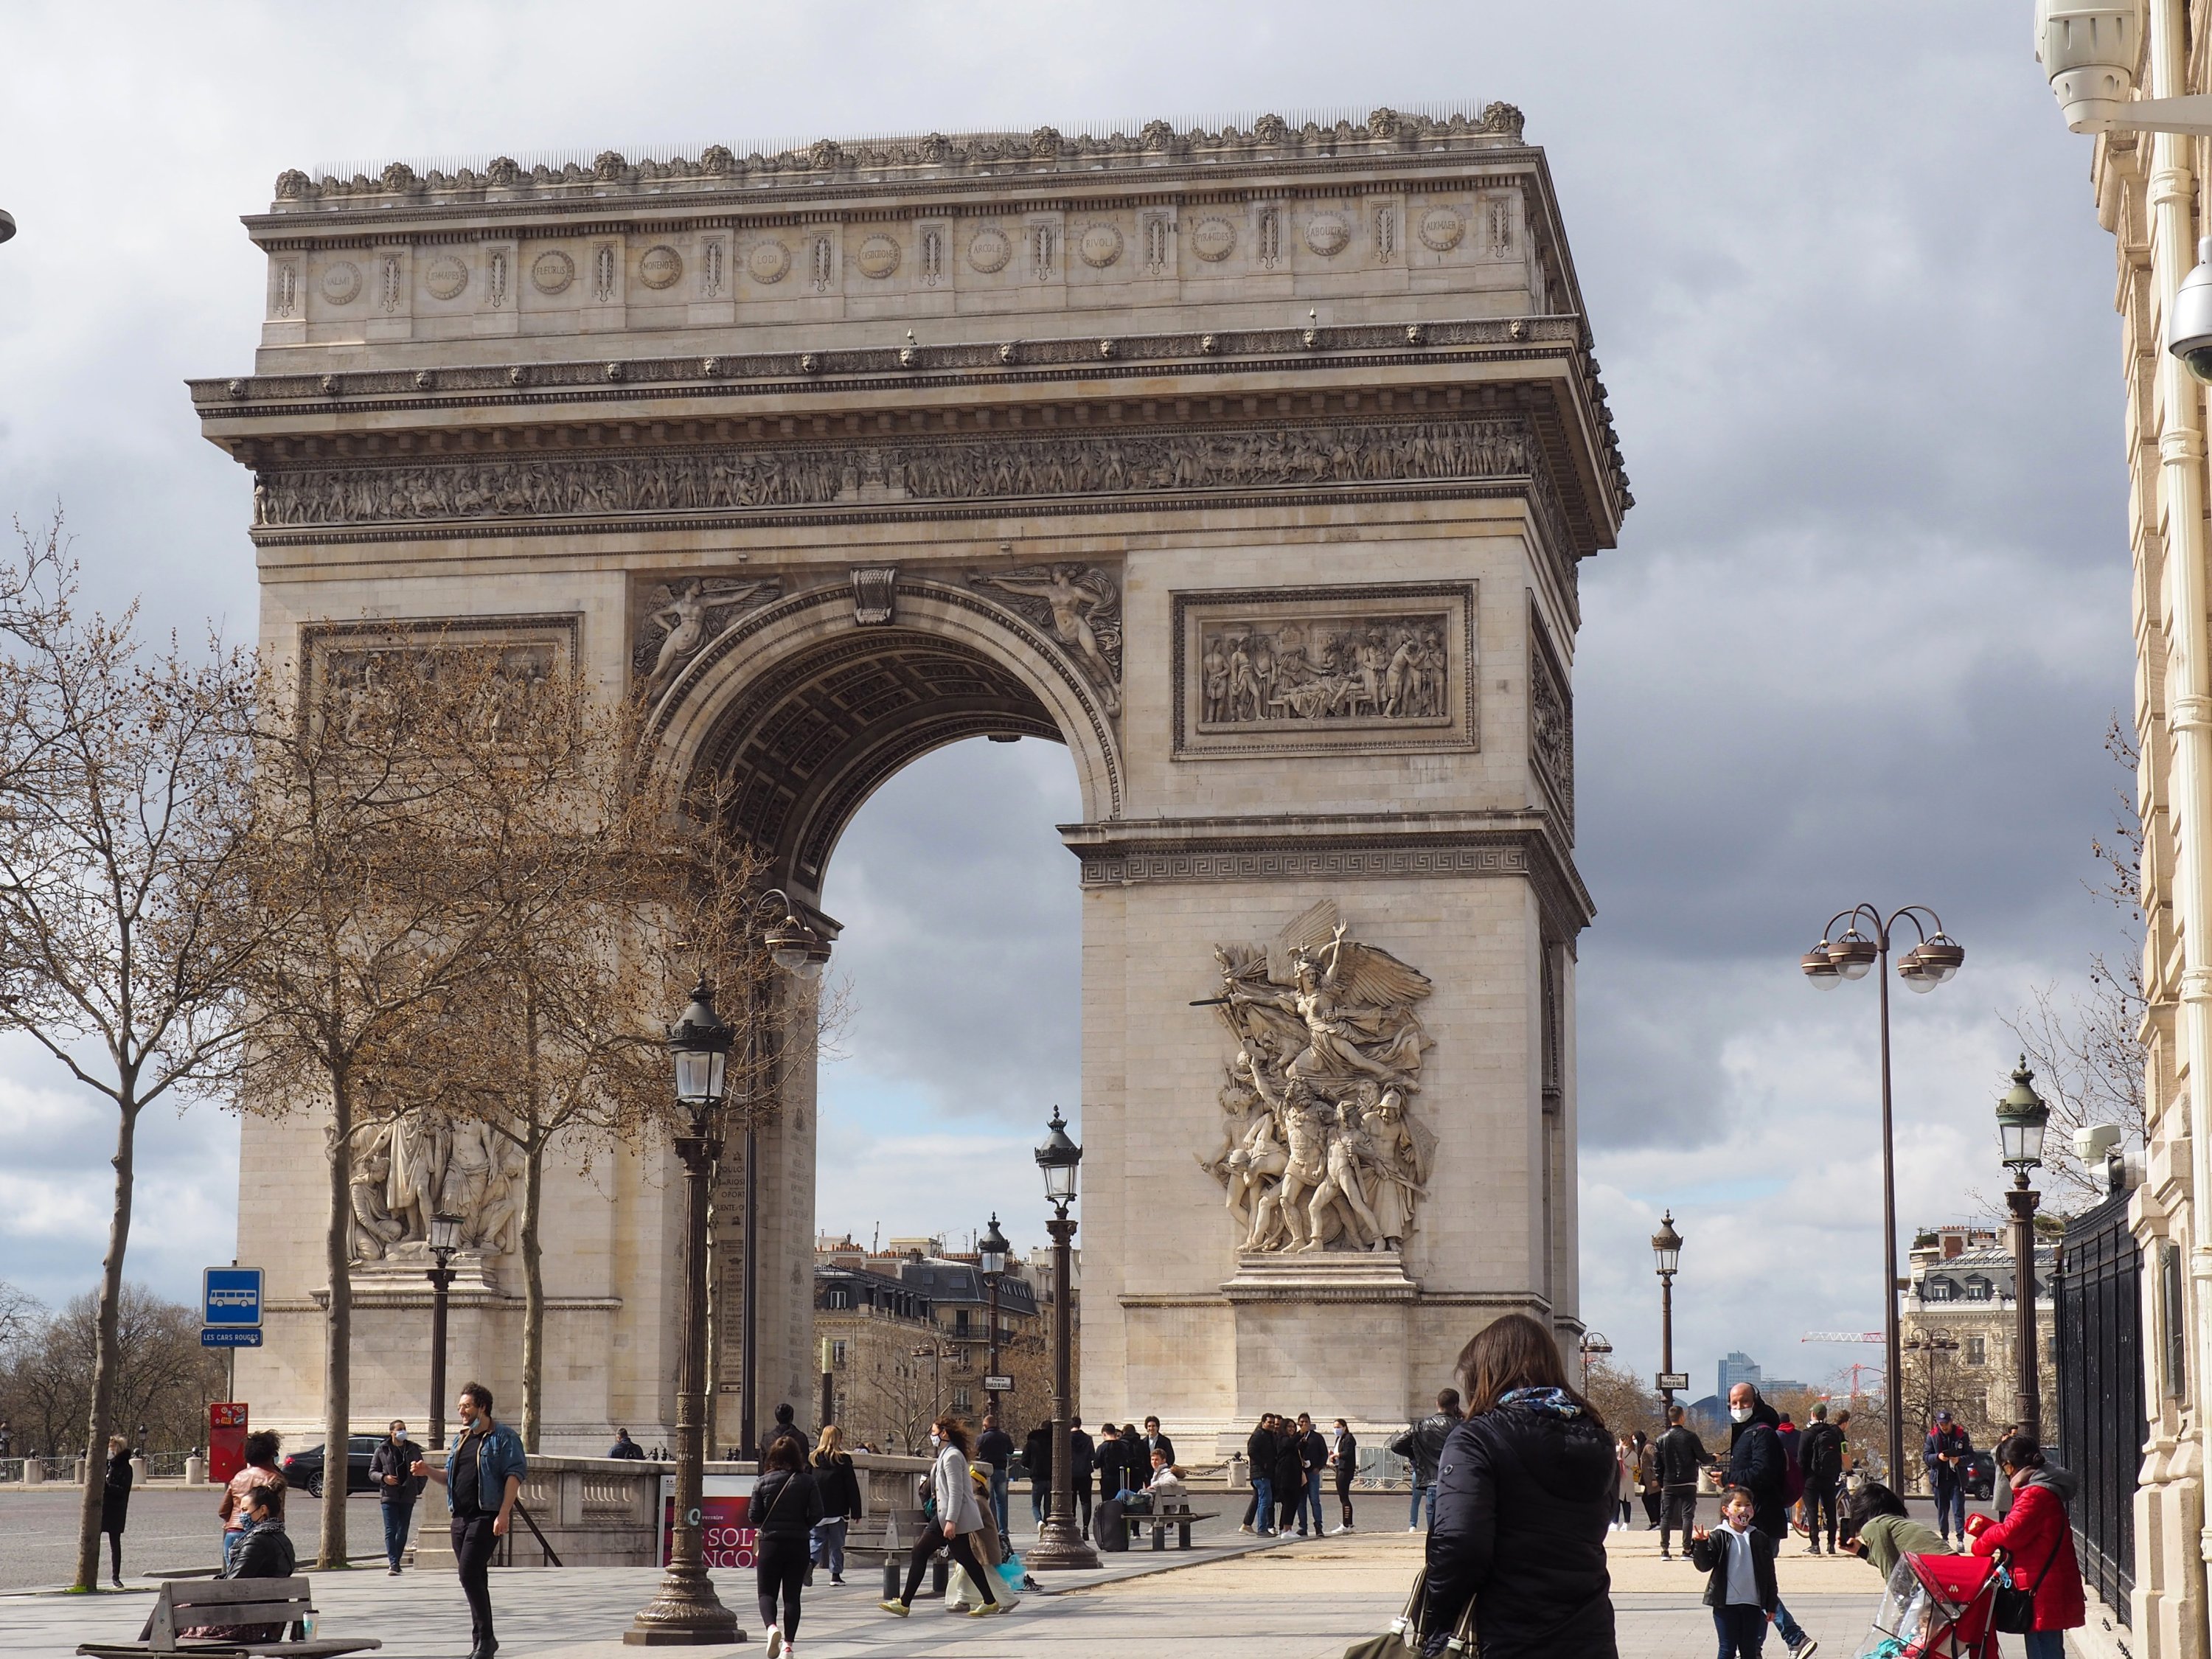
{"x":1551,"y":722}
{"x":418,"y":1166}
{"x":679,"y":618}
{"x":953,"y":469}
{"x":1318,"y":1149}
{"x":1082,"y":606}
{"x":1343,"y":668}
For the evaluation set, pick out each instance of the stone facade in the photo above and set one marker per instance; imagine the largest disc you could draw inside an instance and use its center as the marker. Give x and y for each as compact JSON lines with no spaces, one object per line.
{"x":849,"y":453}
{"x":2149,"y":194}
{"x":1960,"y":1289}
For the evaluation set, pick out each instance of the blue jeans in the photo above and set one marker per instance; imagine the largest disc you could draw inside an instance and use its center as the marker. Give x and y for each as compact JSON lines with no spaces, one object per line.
{"x":1263,"y":1504}
{"x":1786,"y":1627}
{"x":1950,"y":1504}
{"x":230,"y":1546}
{"x":1741,"y":1630}
{"x":397,"y":1517}
{"x":827,"y":1547}
{"x":2045,"y":1643}
{"x":1040,"y":1498}
{"x":1313,"y":1501}
{"x":998,"y":1497}
{"x":1413,"y":1515}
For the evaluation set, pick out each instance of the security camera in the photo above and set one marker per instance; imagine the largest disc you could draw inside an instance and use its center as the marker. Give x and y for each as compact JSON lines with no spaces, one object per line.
{"x":2096,"y":1141}
{"x":2188,"y":328}
{"x":7,"y":224}
{"x":2090,"y":53}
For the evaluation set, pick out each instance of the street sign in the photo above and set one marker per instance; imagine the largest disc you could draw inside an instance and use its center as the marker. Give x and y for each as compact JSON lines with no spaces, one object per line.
{"x":1678,"y":1382}
{"x":231,"y":1297}
{"x":215,"y":1337}
{"x":998,"y":1385}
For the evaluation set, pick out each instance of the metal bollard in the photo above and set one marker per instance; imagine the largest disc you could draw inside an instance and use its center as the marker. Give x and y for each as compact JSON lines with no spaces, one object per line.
{"x":892,"y":1584}
{"x":940,"y":1574}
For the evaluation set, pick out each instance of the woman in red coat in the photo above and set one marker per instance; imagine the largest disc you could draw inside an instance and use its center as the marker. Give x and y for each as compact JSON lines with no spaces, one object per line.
{"x":2038,"y":1544}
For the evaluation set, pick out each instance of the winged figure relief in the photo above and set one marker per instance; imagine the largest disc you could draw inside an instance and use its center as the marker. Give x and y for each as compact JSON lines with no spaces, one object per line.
{"x":1318,"y":1149}
{"x":681,"y":617}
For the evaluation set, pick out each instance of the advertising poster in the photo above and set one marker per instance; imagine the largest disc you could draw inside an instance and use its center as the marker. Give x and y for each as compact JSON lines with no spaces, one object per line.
{"x":725,"y":1499}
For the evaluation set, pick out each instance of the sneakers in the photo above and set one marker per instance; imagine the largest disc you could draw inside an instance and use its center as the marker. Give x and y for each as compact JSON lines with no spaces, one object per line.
{"x":985,"y":1609}
{"x":1246,"y":1530}
{"x":1337,"y":1532}
{"x":774,"y":1641}
{"x":1663,"y":1556}
{"x":394,"y":1573}
{"x":898,"y":1607}
{"x":834,"y":1579}
{"x":1413,"y":1529}
{"x":1805,"y":1649}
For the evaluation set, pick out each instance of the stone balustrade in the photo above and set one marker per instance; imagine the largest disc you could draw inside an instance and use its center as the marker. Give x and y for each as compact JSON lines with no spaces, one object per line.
{"x":602,"y":1512}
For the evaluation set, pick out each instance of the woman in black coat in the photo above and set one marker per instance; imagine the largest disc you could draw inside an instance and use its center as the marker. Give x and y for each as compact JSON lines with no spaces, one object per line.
{"x":1524,"y":1498}
{"x":115,"y":1504}
{"x":1290,"y":1477}
{"x":786,"y":1504}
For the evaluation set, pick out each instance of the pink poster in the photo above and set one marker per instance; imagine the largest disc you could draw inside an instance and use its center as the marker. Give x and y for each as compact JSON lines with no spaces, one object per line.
{"x":729,"y":1540}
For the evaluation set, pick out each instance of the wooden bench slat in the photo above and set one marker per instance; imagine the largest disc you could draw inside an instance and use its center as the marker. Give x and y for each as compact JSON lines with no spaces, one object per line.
{"x":319,"y":1648}
{"x":216,"y":1592}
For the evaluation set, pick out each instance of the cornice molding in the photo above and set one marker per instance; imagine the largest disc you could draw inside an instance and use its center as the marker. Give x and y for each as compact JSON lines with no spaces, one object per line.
{"x":931,"y":161}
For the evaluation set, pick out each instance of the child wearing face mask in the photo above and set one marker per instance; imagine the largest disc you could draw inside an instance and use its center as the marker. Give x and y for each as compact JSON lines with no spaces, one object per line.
{"x":1738,"y":1559}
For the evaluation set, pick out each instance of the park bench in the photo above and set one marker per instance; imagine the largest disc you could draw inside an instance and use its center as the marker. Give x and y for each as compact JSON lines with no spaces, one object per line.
{"x":1179,"y":1517}
{"x":188,"y":1603}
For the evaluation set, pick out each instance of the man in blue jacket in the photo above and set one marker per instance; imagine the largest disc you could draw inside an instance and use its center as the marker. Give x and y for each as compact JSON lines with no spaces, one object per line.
{"x":1945,"y":1453}
{"x":482,"y":1477}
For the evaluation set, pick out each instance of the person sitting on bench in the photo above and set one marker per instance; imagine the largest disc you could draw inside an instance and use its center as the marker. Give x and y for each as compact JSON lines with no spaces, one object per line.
{"x":265,"y":1551}
{"x":1164,"y":1491}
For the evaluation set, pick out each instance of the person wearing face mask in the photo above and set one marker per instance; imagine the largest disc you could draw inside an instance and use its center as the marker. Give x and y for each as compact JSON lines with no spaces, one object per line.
{"x":953,"y":1518}
{"x":396,"y":1489}
{"x":1758,"y":1464}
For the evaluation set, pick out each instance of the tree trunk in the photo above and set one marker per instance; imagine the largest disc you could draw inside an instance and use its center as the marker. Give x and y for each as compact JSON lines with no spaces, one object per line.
{"x":105,"y":1359}
{"x":533,"y":1295}
{"x":338,"y":1328}
{"x":533,"y":1266}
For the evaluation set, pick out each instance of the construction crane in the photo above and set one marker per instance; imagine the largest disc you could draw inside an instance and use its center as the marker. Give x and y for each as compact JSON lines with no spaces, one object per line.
{"x":1843,"y":1336}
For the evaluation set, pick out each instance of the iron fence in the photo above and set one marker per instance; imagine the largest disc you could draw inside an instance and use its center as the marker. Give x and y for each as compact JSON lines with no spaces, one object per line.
{"x":2101,"y":1423}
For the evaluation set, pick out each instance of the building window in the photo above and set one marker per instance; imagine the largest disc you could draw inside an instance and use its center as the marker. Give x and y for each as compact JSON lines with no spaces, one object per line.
{"x":960,"y":1322}
{"x":960,"y":1400}
{"x":1977,"y":1351}
{"x":836,"y":1353}
{"x":1977,"y":1289}
{"x":2177,"y":1327}
{"x":1939,"y":1290}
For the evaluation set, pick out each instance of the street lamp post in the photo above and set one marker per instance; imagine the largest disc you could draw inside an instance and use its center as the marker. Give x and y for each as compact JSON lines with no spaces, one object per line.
{"x":1061,"y":1543}
{"x":684,"y":1610}
{"x":991,"y":1252}
{"x":2022,"y":1117}
{"x":445,"y":1239}
{"x":1935,"y":958}
{"x":1593,"y":1343}
{"x":1666,"y":1253}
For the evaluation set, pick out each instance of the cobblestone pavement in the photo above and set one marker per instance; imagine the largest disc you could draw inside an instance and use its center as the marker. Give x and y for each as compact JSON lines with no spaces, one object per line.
{"x":1296,"y":1600}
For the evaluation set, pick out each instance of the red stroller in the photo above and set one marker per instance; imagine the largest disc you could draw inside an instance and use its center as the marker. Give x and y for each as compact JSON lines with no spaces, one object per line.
{"x":1936,"y":1607}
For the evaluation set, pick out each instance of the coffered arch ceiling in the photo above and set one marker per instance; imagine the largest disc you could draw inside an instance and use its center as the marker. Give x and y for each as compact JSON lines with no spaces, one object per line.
{"x":801,"y":749}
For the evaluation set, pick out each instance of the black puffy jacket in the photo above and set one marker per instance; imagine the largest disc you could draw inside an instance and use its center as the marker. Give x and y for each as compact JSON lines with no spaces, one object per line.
{"x":1757,"y":1463}
{"x":1681,"y":1455}
{"x":784,"y":1504}
{"x":839,"y":1485}
{"x":1524,"y":1495}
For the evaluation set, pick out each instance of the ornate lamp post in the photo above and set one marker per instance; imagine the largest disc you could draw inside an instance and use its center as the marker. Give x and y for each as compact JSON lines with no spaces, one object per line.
{"x":1666,"y":1255}
{"x":445,"y":1239}
{"x":1936,"y":957}
{"x":991,"y":1252}
{"x":686,"y":1610}
{"x":1061,"y":1543}
{"x":2022,"y":1117}
{"x":1594,"y":1344}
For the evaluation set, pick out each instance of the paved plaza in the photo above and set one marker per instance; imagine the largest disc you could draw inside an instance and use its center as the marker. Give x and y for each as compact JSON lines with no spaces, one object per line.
{"x":1300,"y":1599}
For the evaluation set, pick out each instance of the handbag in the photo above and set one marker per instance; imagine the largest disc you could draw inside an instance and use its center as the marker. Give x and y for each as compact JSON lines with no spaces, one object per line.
{"x":1406,"y":1634}
{"x":2012,"y":1610}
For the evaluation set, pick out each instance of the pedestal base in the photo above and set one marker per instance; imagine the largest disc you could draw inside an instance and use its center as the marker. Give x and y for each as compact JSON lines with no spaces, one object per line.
{"x":685,"y":1613}
{"x":1061,"y":1547}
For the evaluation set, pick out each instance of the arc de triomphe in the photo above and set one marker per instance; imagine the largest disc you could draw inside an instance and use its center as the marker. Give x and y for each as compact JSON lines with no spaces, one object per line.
{"x":1253,"y":466}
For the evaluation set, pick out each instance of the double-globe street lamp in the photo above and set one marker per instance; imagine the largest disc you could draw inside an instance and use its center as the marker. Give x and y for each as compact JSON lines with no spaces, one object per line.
{"x":684,"y":1611}
{"x":1061,"y":1543}
{"x":1667,"y":1257}
{"x":1933,"y":959}
{"x":1593,"y":1345}
{"x":2022,"y":1118}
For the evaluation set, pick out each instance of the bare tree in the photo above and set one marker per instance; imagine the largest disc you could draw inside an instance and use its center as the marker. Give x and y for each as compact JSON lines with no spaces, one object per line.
{"x":371,"y":883}
{"x":1622,"y":1400}
{"x":2087,"y":1053}
{"x":124,"y":780}
{"x":163,"y":1378}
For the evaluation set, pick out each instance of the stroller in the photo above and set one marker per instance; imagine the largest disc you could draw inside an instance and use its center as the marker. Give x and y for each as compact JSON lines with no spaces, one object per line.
{"x":1936,"y":1607}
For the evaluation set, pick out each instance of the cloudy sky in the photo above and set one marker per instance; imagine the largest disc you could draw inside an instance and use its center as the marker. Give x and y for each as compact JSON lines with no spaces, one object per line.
{"x":1862,"y":639}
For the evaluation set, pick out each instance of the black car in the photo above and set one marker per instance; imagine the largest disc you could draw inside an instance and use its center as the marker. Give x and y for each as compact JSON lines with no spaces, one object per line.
{"x":303,"y":1470}
{"x":1979,"y":1476}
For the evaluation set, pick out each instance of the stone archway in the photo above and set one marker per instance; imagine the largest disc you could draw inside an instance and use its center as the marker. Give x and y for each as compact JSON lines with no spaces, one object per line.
{"x":1255,"y":466}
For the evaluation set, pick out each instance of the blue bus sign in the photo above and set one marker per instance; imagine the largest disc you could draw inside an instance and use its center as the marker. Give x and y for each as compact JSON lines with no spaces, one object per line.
{"x":230,"y":1298}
